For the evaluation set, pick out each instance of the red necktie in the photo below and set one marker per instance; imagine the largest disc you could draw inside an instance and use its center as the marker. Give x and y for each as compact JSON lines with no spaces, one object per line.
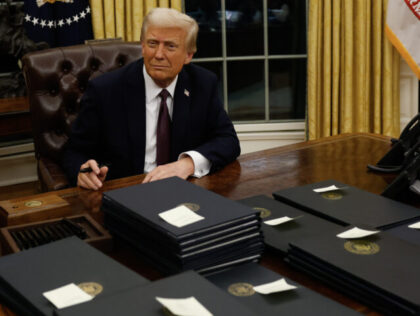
{"x":163,"y":133}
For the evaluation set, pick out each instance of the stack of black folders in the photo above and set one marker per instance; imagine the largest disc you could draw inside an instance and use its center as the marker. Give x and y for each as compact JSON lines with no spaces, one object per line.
{"x":349,"y":205}
{"x":380,"y":270}
{"x":239,"y":282}
{"x":26,"y":275}
{"x":142,"y":300}
{"x":300,"y":225}
{"x":229,"y":233}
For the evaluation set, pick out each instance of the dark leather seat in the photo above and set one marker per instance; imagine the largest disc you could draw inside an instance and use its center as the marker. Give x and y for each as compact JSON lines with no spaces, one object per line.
{"x":56,"y":79}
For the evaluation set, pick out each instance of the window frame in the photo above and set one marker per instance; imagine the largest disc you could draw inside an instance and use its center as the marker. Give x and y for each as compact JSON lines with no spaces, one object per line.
{"x":265,"y":125}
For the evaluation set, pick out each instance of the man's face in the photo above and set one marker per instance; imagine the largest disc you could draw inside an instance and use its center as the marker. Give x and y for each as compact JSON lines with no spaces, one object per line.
{"x":164,"y":53}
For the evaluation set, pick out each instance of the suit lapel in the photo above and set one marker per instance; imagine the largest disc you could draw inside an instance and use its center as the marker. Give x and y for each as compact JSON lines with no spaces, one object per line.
{"x":181,"y":114}
{"x":135,"y":103}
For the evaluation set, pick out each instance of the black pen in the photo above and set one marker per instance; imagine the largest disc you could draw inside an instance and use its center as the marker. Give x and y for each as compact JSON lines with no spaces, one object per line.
{"x":89,"y":169}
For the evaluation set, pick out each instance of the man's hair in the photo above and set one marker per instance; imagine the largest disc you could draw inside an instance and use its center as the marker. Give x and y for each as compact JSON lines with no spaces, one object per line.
{"x":164,"y":17}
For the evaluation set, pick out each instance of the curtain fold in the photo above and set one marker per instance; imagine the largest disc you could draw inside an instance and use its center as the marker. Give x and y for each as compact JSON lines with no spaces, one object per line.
{"x":353,"y":70}
{"x":123,"y":18}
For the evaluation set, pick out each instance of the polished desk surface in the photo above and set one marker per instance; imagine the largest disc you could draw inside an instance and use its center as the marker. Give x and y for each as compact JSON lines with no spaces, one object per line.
{"x":343,"y":158}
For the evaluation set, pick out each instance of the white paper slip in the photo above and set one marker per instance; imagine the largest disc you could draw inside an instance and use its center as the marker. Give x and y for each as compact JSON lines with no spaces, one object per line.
{"x":327,"y":189}
{"x":415,"y":225}
{"x":280,"y":220}
{"x":180,"y":216}
{"x":415,"y":187}
{"x":67,"y":295}
{"x":184,"y":306}
{"x":274,"y":287}
{"x":357,"y":233}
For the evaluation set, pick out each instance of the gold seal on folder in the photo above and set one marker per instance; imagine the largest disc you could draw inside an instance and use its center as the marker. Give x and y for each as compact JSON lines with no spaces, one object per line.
{"x":241,"y":289}
{"x":192,"y":206}
{"x":332,"y":195}
{"x":91,"y":288}
{"x":361,"y":247}
{"x":167,"y":312}
{"x":263,"y":211}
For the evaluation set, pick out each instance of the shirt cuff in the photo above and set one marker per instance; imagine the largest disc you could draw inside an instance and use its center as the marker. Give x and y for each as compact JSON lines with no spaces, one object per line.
{"x":201,"y":164}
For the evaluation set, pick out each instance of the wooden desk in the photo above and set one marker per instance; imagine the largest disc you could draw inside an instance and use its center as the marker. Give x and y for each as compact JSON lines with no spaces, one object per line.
{"x":343,"y":158}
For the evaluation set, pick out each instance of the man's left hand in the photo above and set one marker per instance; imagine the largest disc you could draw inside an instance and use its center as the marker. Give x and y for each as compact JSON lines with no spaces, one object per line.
{"x":182,"y":168}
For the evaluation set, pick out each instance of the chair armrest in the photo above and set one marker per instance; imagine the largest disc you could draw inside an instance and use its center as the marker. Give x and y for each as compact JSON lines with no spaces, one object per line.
{"x":51,"y":176}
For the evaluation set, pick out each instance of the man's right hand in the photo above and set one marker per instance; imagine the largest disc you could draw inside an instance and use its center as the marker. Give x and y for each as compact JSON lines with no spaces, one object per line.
{"x":92,"y":180}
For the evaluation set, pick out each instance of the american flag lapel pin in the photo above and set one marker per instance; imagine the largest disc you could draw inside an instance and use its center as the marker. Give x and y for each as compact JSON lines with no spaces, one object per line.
{"x":186,"y":92}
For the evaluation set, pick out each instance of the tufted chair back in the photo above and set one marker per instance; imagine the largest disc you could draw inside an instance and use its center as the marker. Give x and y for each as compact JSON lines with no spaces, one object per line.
{"x":56,"y":80}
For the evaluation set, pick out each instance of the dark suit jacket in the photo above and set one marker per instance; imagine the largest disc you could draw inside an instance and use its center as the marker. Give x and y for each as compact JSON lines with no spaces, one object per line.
{"x":111,"y":124}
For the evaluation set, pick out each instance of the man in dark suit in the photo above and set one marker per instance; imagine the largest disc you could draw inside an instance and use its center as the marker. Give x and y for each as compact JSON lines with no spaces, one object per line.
{"x":160,"y":115}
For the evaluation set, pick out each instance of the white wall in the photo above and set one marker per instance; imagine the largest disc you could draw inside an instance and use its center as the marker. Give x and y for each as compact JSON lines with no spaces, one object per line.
{"x":254,"y":137}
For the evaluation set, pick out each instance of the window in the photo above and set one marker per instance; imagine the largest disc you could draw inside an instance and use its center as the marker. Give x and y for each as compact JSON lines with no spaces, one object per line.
{"x":258,"y":50}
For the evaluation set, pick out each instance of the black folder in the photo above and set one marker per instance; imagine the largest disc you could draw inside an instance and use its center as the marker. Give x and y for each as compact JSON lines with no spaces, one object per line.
{"x":363,"y":293}
{"x":236,"y":250}
{"x":404,"y":232}
{"x":144,"y":202}
{"x":27,"y":274}
{"x":300,"y":301}
{"x":229,"y":233}
{"x":168,"y":263}
{"x":348,"y":205}
{"x":381,"y":268}
{"x":142,"y":300}
{"x":278,"y":237}
{"x":141,"y":234}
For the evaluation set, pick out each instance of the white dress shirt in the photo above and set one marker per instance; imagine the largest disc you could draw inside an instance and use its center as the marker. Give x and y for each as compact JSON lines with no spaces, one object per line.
{"x":201,"y":164}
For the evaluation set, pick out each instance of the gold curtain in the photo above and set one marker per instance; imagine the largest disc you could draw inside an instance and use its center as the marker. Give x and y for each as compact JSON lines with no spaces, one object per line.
{"x":123,"y":18}
{"x":353,"y":70}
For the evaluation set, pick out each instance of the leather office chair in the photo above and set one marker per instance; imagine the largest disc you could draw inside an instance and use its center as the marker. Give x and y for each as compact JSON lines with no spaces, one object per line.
{"x":56,"y":79}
